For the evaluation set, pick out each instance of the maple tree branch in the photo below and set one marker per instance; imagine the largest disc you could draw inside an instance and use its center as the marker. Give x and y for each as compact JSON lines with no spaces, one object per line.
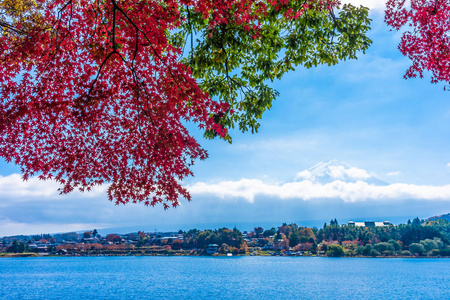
{"x":99,"y":71}
{"x":11,"y":27}
{"x":114,"y":29}
{"x":151,"y":46}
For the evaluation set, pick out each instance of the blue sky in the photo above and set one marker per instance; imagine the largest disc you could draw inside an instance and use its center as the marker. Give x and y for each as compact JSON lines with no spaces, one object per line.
{"x":362,"y":112}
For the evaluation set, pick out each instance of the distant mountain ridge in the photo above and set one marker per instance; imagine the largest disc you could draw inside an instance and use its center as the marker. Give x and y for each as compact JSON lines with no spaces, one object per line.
{"x":444,"y":217}
{"x":333,"y":170}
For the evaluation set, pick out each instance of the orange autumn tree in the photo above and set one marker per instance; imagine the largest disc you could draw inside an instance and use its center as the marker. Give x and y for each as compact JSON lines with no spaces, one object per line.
{"x":100,"y":91}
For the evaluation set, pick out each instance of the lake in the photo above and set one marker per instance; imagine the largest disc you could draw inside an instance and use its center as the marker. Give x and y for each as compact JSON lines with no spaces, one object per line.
{"x":223,"y":278}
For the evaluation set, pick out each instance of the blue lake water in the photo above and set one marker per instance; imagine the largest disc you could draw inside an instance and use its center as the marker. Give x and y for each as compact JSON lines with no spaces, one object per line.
{"x":223,"y":278}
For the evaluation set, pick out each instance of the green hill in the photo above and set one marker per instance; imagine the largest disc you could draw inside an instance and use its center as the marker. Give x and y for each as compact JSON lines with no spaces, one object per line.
{"x":444,"y":217}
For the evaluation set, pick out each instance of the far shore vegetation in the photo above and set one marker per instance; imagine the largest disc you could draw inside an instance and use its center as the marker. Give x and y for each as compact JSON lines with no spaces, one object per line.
{"x":416,"y":238}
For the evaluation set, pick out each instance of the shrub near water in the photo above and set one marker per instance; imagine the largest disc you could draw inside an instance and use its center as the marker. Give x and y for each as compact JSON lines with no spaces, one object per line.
{"x":335,"y":251}
{"x":416,"y":248}
{"x":385,"y":248}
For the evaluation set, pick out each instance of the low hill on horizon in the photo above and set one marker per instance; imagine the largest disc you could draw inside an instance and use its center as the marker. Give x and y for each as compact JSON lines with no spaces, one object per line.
{"x":444,"y":217}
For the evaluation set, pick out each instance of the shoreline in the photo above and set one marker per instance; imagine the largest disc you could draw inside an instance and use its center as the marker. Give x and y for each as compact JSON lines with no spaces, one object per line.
{"x":28,"y":255}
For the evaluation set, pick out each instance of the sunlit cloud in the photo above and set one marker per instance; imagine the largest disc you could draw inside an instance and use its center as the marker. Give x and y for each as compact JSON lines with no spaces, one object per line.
{"x":394,"y":173}
{"x":338,"y":173}
{"x":251,"y":189}
{"x":14,"y":186}
{"x":224,"y":202}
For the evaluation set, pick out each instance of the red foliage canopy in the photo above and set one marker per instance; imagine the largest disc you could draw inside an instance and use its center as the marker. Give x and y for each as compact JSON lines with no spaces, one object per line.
{"x":95,"y":94}
{"x":427,"y":42}
{"x":93,"y":91}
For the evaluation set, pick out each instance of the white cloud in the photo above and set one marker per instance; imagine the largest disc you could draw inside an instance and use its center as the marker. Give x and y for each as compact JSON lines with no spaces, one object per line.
{"x":223,"y":202}
{"x":394,"y":173}
{"x":250,"y":189}
{"x":22,"y":210}
{"x":14,"y":186}
{"x":303,"y":175}
{"x":336,"y":173}
{"x":340,"y":172}
{"x":448,"y":165}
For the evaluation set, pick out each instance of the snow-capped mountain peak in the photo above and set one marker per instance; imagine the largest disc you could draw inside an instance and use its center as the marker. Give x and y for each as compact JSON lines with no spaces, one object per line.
{"x":333,"y":170}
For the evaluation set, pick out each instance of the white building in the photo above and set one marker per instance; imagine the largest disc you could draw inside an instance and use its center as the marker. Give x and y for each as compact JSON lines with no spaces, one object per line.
{"x":369,"y":224}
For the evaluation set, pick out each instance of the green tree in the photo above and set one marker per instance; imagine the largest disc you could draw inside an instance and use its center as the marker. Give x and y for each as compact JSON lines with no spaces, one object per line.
{"x":416,"y":222}
{"x":294,"y":239}
{"x":417,"y":248}
{"x":359,"y":250}
{"x":335,"y":251}
{"x":258,"y":231}
{"x":17,"y":247}
{"x":429,"y":245}
{"x":405,"y":253}
{"x":269,"y":232}
{"x":395,"y":244}
{"x":384,"y":247}
{"x":367,"y":249}
{"x":224,"y":249}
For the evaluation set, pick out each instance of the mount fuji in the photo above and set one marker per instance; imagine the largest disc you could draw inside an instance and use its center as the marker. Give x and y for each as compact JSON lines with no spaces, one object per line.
{"x":334,"y":170}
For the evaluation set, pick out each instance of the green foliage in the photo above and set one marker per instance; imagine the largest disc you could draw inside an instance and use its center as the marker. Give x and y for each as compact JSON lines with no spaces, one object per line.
{"x":416,"y":222}
{"x":258,"y":231}
{"x":269,"y":232}
{"x":367,"y":249}
{"x":201,"y":239}
{"x":429,"y":245}
{"x":236,"y":65}
{"x":405,"y":234}
{"x":384,"y":247}
{"x":435,"y":252}
{"x":395,"y":244}
{"x":335,"y":251}
{"x":17,"y":247}
{"x":294,"y":239}
{"x":405,"y":253}
{"x":445,"y":252}
{"x":359,"y":250}
{"x":417,"y":248}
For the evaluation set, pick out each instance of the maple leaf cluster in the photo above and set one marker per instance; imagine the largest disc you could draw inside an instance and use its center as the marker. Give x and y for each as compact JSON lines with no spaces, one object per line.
{"x":426,"y":41}
{"x":99,"y":91}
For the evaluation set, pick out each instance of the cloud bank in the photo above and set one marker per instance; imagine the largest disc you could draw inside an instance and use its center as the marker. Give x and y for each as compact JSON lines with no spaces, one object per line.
{"x":36,"y":207}
{"x":337,"y":173}
{"x":13,"y":187}
{"x":250,"y":189}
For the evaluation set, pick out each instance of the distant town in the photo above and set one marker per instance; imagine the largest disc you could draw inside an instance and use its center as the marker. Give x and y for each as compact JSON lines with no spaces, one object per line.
{"x":416,"y":238}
